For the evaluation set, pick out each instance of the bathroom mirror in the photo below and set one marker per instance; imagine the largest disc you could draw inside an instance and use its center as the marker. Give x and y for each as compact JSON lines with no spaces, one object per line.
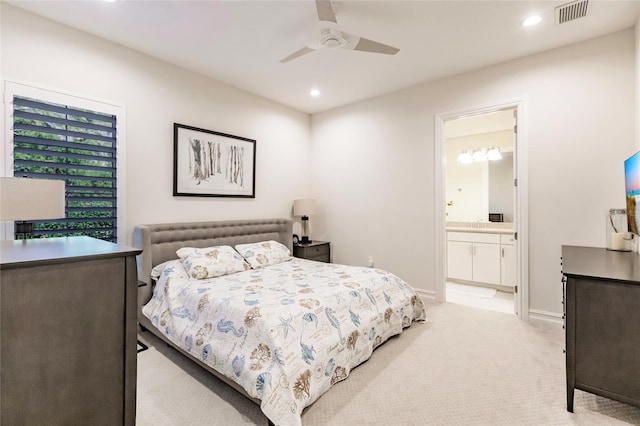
{"x":477,"y":188}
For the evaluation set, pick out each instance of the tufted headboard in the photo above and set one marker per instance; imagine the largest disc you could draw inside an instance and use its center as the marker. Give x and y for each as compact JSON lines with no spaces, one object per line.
{"x":159,"y":242}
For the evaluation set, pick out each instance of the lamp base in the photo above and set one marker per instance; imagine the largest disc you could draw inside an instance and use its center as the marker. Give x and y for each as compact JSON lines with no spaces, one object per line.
{"x":305,"y":230}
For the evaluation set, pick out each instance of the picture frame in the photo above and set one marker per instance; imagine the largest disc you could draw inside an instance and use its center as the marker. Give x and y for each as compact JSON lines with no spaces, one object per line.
{"x":212,"y":164}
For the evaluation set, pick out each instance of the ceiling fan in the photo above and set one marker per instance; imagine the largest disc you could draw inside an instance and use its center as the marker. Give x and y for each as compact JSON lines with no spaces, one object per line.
{"x":332,"y":37}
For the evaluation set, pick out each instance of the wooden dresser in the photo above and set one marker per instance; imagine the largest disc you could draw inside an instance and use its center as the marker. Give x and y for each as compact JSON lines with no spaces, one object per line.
{"x":602,"y":322}
{"x":68,"y":332}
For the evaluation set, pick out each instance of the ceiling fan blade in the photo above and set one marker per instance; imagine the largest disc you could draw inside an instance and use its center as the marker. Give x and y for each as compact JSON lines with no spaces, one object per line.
{"x":294,"y":55}
{"x":366,"y":45}
{"x":325,"y":11}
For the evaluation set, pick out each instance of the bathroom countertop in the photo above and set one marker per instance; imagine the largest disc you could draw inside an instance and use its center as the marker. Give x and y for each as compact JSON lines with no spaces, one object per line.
{"x":479,"y":230}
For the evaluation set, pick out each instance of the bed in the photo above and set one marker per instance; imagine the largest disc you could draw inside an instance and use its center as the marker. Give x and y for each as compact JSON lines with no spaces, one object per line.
{"x":279,"y":329}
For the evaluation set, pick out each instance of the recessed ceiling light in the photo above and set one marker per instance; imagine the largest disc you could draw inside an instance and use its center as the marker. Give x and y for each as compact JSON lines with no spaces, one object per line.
{"x":532,"y":20}
{"x":314,"y":92}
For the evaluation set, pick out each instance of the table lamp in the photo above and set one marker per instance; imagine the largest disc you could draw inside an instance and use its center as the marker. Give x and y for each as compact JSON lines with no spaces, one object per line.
{"x":25,"y":199}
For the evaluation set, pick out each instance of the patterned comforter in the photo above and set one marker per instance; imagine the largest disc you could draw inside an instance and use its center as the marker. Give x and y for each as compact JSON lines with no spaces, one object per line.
{"x":287,"y":332}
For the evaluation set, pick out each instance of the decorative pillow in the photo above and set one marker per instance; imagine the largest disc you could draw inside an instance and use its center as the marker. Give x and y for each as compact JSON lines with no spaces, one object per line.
{"x":264,"y":253}
{"x":173,"y":267}
{"x":211,"y":262}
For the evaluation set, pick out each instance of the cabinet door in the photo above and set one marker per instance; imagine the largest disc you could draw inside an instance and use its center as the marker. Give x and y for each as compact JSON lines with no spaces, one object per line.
{"x":459,"y":260}
{"x":508,"y":273}
{"x":486,"y":263}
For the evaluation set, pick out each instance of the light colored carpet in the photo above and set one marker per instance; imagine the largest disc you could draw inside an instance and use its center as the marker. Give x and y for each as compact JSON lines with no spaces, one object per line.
{"x":471,"y":290}
{"x":466,"y":366}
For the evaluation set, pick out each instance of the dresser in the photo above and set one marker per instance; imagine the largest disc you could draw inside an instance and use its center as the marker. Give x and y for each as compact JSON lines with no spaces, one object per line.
{"x":602,"y":323}
{"x":317,"y":250}
{"x":68,"y":332}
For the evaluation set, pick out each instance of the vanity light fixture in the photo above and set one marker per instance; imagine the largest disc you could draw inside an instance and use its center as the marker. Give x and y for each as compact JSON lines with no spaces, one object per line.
{"x":479,"y":155}
{"x":465,"y":157}
{"x":532,"y":20}
{"x":493,"y":154}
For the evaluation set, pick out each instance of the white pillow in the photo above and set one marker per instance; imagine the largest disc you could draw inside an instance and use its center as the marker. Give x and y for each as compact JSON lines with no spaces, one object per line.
{"x":157,"y":270}
{"x":173,"y":267}
{"x":264,"y":253}
{"x":211,"y":262}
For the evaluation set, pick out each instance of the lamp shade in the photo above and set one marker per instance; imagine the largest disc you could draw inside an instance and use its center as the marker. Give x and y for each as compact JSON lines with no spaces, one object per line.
{"x":31,"y":199}
{"x":304,"y":207}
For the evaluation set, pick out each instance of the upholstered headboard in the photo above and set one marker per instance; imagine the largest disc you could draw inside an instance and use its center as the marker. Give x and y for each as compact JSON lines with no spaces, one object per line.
{"x":159,"y":242}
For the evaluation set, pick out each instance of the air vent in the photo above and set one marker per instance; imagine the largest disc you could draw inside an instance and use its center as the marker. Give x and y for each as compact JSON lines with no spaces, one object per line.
{"x":571,"y":11}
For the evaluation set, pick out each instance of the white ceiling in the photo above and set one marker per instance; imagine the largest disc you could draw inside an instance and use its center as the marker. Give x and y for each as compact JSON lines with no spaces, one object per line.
{"x":241,"y":42}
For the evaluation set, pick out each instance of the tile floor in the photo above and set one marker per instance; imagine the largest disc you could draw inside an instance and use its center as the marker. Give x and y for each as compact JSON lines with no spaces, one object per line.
{"x":501,"y":302}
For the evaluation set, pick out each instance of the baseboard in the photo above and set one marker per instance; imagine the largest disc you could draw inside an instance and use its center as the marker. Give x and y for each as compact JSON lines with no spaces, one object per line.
{"x":536,"y":316}
{"x":503,"y":288}
{"x":429,"y":295}
{"x":539,"y":317}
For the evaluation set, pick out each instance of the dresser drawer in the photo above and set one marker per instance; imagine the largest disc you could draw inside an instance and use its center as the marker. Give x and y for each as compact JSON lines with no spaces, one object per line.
{"x":317,"y":250}
{"x":323,"y":258}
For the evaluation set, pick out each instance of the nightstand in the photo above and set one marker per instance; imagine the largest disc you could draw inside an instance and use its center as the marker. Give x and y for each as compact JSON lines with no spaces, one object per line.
{"x":319,"y":251}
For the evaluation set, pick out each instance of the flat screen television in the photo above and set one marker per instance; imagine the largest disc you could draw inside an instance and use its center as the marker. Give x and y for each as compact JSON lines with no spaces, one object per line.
{"x":632,"y":187}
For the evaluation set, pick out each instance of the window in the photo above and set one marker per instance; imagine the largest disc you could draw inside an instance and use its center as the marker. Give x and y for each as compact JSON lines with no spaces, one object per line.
{"x":53,"y":140}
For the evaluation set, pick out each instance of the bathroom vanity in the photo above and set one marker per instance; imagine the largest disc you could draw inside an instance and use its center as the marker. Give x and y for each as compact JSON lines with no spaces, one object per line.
{"x":483,"y":254}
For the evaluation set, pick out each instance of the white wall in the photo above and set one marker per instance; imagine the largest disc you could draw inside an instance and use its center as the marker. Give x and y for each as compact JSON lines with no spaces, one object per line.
{"x":373,"y":161}
{"x":155,"y":94}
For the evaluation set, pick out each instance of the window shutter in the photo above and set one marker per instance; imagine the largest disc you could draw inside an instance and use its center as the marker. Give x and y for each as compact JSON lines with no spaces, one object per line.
{"x":53,"y":141}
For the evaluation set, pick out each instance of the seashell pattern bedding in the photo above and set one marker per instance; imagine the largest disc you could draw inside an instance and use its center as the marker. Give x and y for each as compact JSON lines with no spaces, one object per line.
{"x":285,"y":332}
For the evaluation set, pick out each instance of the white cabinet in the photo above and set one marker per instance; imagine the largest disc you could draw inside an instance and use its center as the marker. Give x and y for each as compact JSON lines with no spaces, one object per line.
{"x":473,"y":257}
{"x":486,"y":263}
{"x":482,"y":257}
{"x":508,"y":268}
{"x":460,"y":260}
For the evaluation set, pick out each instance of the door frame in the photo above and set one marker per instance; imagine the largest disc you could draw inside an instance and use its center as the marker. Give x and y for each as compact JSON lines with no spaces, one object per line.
{"x":522,"y":208}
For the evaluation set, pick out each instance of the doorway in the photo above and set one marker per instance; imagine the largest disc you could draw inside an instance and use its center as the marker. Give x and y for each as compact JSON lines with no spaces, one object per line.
{"x":480,"y":209}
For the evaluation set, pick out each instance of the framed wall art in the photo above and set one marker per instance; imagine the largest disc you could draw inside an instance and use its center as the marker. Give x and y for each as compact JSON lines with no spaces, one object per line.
{"x":212,"y":164}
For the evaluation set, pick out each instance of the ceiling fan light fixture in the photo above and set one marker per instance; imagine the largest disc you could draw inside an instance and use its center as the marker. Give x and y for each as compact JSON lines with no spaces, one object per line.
{"x":332,"y":37}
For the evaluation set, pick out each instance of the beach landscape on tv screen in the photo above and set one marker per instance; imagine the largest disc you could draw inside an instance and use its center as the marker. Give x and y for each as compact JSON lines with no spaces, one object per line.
{"x":632,"y":186}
